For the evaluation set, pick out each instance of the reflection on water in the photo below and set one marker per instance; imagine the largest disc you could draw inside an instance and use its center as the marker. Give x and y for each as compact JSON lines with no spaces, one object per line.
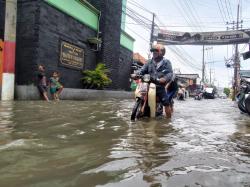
{"x":93,"y":143}
{"x":6,"y":123}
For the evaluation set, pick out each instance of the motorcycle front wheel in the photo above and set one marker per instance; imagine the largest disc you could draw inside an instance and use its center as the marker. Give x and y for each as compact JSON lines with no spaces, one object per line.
{"x":241,"y":104}
{"x":247,"y":104}
{"x":136,"y":112}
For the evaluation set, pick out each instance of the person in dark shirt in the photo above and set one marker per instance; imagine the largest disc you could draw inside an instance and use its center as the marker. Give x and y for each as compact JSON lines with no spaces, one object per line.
{"x":42,"y":82}
{"x":160,"y":70}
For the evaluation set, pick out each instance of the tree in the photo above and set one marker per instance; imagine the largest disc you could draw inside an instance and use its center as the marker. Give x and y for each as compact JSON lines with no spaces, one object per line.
{"x":227,"y":91}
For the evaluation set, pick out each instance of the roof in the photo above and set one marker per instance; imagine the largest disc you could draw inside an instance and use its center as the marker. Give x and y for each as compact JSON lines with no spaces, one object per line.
{"x":245,"y":73}
{"x":139,"y":58}
{"x":188,"y":76}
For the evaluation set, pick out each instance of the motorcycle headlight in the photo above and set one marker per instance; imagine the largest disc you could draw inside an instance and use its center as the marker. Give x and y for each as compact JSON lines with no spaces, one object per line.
{"x":146,"y":78}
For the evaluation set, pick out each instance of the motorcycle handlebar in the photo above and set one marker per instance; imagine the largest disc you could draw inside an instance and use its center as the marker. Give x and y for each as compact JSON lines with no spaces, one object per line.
{"x":146,"y":78}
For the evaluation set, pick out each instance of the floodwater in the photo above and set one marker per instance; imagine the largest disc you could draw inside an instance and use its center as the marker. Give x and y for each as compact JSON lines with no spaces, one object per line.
{"x":93,"y":143}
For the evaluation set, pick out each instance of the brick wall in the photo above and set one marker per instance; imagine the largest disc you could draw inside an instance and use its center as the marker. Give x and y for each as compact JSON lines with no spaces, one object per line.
{"x":41,"y":28}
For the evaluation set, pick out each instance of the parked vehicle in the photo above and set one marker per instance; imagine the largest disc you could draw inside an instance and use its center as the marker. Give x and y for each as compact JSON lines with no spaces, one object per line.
{"x":209,"y":93}
{"x":198,"y":95}
{"x":145,"y":95}
{"x":222,"y":96}
{"x":181,"y":94}
{"x":243,"y":97}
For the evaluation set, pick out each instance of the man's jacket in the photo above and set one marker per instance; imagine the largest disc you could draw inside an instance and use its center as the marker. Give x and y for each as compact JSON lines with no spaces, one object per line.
{"x":163,"y":69}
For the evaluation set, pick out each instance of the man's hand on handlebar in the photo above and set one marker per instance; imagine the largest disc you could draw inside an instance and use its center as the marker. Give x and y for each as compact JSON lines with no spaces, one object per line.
{"x":134,"y":76}
{"x":162,"y":81}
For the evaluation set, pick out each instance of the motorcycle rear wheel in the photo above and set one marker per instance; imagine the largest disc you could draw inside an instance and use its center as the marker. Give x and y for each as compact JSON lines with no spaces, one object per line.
{"x":136,"y":112}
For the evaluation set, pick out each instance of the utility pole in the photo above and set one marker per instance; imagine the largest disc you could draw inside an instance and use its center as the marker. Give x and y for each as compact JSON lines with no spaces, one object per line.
{"x":236,"y":62}
{"x":9,"y":51}
{"x":203,"y":65}
{"x":210,"y":76}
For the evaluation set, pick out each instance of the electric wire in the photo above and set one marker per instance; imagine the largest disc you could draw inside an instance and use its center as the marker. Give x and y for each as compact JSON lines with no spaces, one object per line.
{"x":222,"y":15}
{"x":139,"y":6}
{"x":227,"y":9}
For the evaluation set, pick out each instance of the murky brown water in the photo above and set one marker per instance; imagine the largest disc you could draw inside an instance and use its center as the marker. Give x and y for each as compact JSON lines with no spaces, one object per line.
{"x":89,"y":143}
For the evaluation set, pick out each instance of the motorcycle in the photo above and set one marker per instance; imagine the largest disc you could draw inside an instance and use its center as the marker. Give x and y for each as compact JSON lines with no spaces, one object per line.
{"x":243,"y":97}
{"x":146,"y":102}
{"x":198,"y":95}
{"x":181,"y":94}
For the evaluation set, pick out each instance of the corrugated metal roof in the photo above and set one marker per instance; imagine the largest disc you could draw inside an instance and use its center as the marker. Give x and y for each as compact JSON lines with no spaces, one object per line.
{"x":245,"y":73}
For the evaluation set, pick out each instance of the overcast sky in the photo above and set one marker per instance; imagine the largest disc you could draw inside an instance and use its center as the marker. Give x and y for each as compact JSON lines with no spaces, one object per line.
{"x":192,"y":16}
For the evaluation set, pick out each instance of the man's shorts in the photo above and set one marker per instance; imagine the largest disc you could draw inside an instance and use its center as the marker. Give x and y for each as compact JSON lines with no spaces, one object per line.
{"x":165,"y":97}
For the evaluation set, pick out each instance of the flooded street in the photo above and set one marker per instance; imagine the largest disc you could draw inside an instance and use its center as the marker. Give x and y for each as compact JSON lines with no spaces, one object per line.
{"x":93,"y":143}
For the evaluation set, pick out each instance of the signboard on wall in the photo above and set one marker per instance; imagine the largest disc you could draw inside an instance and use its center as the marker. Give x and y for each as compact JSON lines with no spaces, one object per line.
{"x":167,"y":37}
{"x":71,"y":56}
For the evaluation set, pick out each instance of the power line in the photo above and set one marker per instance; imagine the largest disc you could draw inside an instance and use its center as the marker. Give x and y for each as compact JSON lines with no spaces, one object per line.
{"x":231,"y":12}
{"x":137,"y":19}
{"x":224,"y":10}
{"x":183,"y":14}
{"x":195,"y":20}
{"x":139,"y":6}
{"x":137,"y":34}
{"x":143,"y":17}
{"x":222,"y":15}
{"x":130,"y":23}
{"x":184,"y":59}
{"x":229,"y":15}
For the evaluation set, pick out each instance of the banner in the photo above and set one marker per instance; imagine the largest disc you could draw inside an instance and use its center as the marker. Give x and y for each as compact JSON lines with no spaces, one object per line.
{"x":202,"y":38}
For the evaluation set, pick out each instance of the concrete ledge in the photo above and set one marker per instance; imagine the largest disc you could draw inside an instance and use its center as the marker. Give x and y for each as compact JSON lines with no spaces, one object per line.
{"x":31,"y":92}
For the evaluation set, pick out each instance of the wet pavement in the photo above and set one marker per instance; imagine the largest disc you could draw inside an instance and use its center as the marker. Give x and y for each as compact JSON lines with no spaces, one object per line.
{"x":93,"y":143}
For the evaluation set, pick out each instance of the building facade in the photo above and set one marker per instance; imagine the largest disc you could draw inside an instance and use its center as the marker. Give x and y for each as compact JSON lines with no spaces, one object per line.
{"x":62,"y":35}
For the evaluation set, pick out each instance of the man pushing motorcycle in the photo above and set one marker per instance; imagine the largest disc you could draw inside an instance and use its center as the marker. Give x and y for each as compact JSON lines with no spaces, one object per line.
{"x":160,"y":70}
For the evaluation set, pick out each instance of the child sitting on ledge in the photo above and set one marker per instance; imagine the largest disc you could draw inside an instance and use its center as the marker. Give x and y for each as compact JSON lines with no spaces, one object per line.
{"x":55,"y":86}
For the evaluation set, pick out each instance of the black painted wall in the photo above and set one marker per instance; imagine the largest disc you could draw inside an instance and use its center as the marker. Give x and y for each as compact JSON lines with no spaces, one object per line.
{"x":125,"y":62}
{"x":40,"y":29}
{"x":110,"y":28}
{"x":27,"y":41}
{"x":56,"y":26}
{"x":2,"y":16}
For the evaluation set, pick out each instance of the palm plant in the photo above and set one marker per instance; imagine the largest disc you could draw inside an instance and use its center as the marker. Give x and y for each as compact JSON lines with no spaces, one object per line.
{"x":97,"y":78}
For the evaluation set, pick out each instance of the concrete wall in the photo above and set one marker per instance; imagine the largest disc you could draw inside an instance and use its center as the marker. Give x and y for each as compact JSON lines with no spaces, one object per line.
{"x":40,"y":29}
{"x":31,"y":93}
